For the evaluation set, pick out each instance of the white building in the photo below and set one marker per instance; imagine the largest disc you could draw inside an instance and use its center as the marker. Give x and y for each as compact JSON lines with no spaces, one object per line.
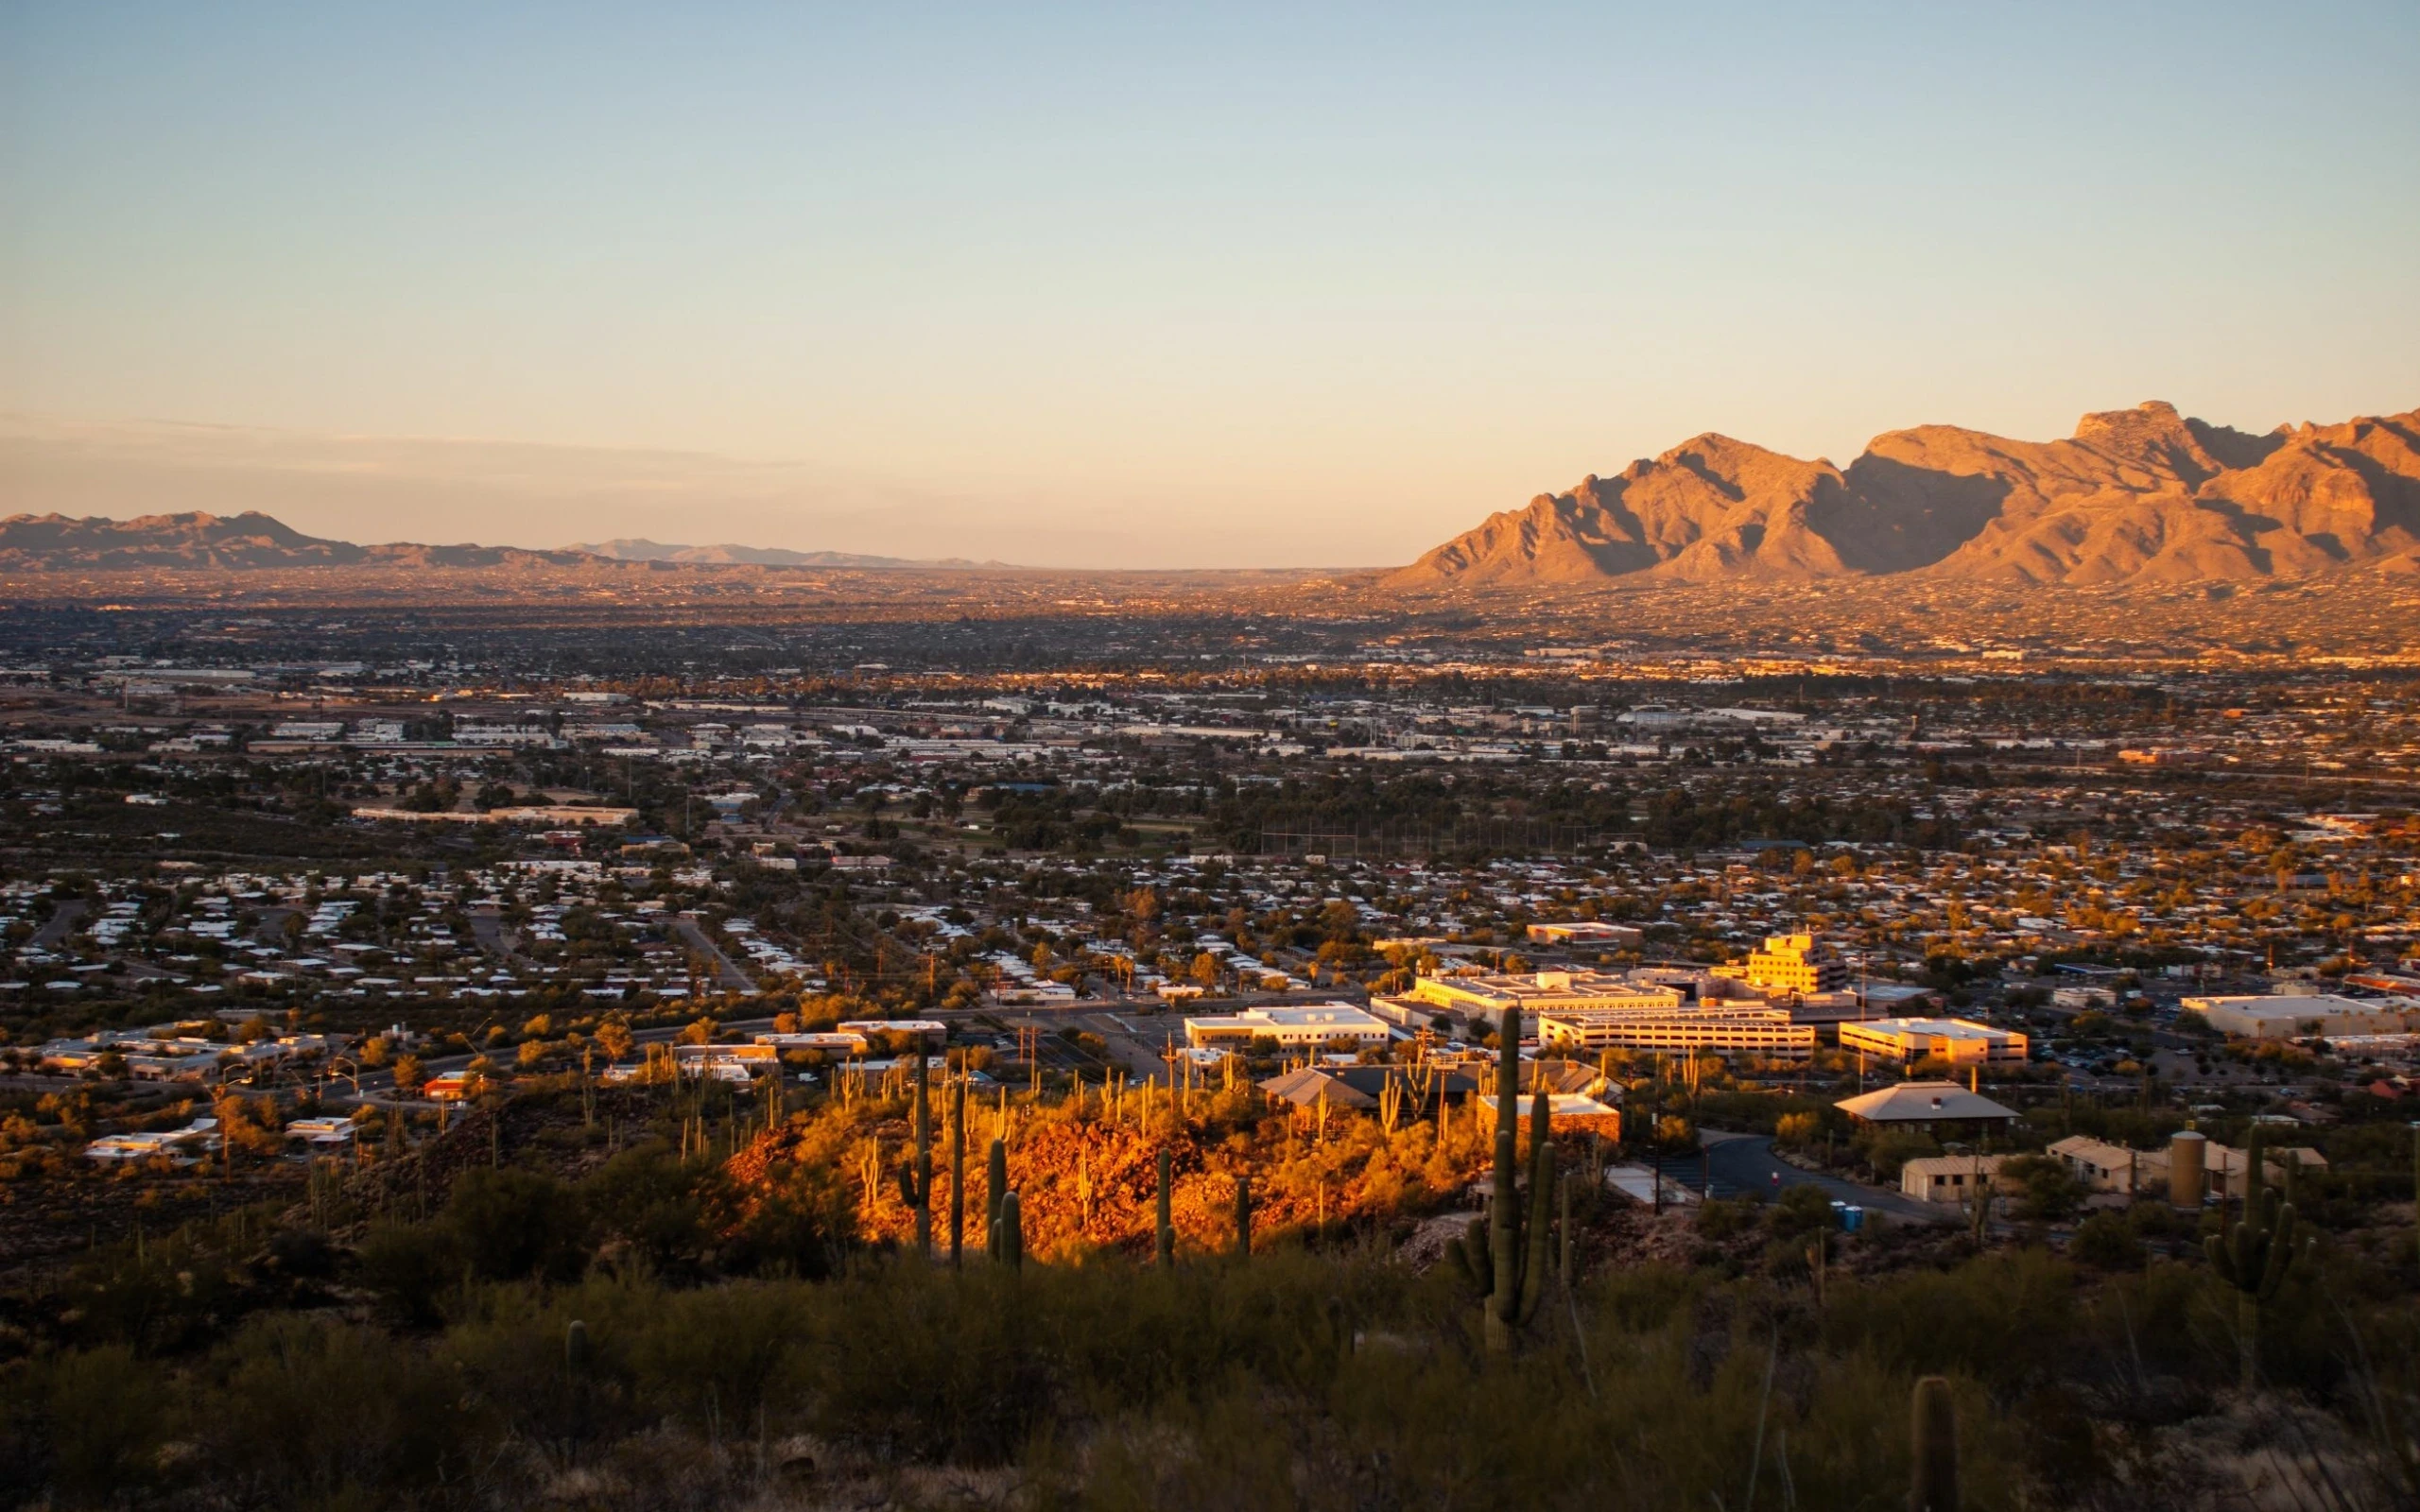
{"x":1308,"y":1026}
{"x":2300,"y":1018}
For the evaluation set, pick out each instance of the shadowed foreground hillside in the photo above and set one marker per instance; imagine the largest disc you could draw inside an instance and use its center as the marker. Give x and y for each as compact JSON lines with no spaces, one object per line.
{"x":584,"y":1318}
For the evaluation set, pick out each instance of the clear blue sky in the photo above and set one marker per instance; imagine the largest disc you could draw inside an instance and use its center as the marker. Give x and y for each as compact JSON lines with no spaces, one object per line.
{"x":1153,"y":285}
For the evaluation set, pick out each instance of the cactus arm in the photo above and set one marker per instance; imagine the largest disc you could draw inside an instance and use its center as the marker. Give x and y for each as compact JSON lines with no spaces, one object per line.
{"x":2281,"y":1254}
{"x":997,"y":1182}
{"x":1541,"y":1220}
{"x":1474,"y":1258}
{"x":1504,"y":1232}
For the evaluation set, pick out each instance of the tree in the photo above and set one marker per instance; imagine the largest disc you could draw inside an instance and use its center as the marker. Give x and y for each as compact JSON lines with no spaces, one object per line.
{"x":2047,"y":1192}
{"x":614,"y":1036}
{"x":409,"y":1074}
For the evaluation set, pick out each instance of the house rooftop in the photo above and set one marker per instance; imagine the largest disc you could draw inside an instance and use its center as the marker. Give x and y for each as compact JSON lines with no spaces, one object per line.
{"x":1923,"y":1102}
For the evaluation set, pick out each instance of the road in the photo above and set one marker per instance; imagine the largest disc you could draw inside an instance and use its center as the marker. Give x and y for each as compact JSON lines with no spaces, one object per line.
{"x":728,"y":975}
{"x":60,"y":924}
{"x":487,"y":932}
{"x":1746,"y":1162}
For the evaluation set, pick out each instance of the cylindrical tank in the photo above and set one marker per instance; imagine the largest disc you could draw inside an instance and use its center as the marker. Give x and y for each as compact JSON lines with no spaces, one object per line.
{"x":2188,"y":1158}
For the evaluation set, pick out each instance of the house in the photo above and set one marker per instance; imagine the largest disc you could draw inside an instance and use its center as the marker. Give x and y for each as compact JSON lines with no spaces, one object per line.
{"x":2106,"y":1167}
{"x":1936,"y":1107}
{"x":726,"y":1062}
{"x":323,"y":1131}
{"x":1566,"y":1114}
{"x":2228,"y":1172}
{"x":1361,"y":1086}
{"x":1947,"y":1177}
{"x":1586,"y":932}
{"x":933,"y":1030}
{"x":178,"y":1147}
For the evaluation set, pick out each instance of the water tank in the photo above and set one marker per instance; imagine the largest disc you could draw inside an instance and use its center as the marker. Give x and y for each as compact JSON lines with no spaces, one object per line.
{"x":2187,"y":1160}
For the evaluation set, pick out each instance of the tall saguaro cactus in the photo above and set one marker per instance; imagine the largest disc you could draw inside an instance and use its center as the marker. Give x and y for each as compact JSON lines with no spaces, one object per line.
{"x":1508,"y":1266}
{"x":2253,"y":1254}
{"x":1933,"y":1432}
{"x":956,"y":1171}
{"x":1164,"y":1232}
{"x":1243,"y":1217}
{"x":916,"y":1179}
{"x":1011,"y":1248}
{"x":996,"y":1194}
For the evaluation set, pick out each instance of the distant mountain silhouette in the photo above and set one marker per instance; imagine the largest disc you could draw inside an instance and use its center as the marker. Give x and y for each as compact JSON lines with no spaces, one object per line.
{"x":641,"y":549}
{"x":58,"y":542}
{"x":2141,"y":494}
{"x":53,"y":543}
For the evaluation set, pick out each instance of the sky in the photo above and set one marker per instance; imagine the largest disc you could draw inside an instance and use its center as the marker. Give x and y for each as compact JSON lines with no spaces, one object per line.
{"x":1145,"y":285}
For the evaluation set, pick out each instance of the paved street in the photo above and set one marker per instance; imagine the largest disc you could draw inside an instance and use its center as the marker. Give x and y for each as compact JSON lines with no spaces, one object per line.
{"x":1746,"y":1162}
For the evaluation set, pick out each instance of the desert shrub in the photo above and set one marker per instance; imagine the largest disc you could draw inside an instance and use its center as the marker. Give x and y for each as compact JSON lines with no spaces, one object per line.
{"x":514,"y":1224}
{"x":411,"y":1267}
{"x":301,"y":1411}
{"x":2047,"y":1191}
{"x":2107,"y":1240}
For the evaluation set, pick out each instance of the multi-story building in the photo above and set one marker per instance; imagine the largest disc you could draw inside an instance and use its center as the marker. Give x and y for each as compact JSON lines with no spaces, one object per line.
{"x":1486,"y":997}
{"x":1792,"y":963}
{"x":1724,"y":1029}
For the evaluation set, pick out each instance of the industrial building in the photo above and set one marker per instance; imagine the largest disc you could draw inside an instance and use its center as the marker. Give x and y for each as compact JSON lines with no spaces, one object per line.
{"x":1294,"y":1028}
{"x":1960,"y":1042}
{"x":2306,"y":1016}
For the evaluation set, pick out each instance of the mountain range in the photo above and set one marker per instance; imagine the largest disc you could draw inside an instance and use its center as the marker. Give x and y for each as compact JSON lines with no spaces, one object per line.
{"x":2135,"y":495}
{"x":2141,"y":495}
{"x":641,"y":549}
{"x":58,"y":542}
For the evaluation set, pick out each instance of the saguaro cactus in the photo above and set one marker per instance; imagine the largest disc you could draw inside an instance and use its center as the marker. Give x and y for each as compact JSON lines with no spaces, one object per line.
{"x":1164,"y":1231}
{"x":577,"y":1361}
{"x":916,"y":1175}
{"x":996,"y":1195}
{"x":1932,"y":1485}
{"x":2253,"y":1254}
{"x":1243,"y":1217}
{"x":956,"y":1170}
{"x":1012,"y":1243}
{"x":1508,"y":1266}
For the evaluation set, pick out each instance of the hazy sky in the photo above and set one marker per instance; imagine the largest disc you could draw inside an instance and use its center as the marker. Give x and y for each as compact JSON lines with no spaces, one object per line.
{"x":1153,"y":286}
